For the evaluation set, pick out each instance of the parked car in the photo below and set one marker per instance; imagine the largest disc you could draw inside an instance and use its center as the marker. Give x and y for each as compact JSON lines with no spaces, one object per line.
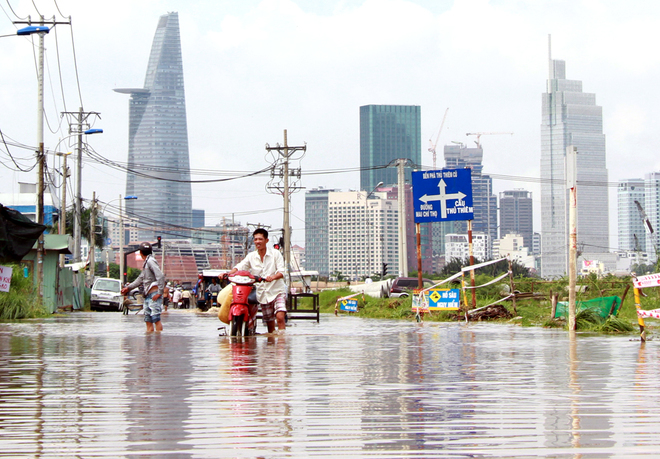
{"x":106,"y":295}
{"x":403,"y":286}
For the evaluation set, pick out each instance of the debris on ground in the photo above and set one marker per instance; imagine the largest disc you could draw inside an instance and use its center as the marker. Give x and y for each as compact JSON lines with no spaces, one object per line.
{"x":495,"y":311}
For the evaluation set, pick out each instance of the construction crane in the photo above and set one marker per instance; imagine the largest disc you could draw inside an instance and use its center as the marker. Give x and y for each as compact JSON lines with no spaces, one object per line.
{"x":647,"y":223}
{"x":432,"y":143}
{"x":479,"y":134}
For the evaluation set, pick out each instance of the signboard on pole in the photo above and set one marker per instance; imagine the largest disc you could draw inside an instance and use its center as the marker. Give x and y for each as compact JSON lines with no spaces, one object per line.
{"x":349,"y":305}
{"x":444,"y":299}
{"x":5,"y":278}
{"x":442,"y":195}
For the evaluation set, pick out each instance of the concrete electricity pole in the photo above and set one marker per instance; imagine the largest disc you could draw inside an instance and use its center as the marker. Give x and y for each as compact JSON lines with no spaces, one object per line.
{"x":282,"y":170}
{"x":571,"y":184}
{"x":42,"y":29}
{"x":403,"y":236}
{"x":79,"y":127}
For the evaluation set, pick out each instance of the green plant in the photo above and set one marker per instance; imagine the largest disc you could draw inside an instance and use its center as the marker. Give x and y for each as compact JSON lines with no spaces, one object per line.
{"x":22,"y":301}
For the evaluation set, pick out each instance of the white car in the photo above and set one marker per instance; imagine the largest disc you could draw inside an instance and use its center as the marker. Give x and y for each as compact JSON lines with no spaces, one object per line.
{"x":106,"y":295}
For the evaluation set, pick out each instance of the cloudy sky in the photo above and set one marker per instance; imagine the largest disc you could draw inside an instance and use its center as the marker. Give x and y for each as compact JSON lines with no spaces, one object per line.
{"x":256,"y":67}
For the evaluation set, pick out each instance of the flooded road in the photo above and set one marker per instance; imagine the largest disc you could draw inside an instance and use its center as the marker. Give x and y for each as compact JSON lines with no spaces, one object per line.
{"x":96,"y":385}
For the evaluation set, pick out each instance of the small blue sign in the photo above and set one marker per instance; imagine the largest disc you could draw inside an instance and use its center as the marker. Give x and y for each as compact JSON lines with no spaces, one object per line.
{"x":442,"y":195}
{"x":446,"y":300}
{"x":108,"y":241}
{"x":349,"y":305}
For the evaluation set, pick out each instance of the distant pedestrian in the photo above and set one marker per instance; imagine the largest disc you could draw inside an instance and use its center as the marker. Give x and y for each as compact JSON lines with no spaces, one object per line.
{"x":176,"y":298}
{"x":185,"y":298}
{"x":152,"y":280}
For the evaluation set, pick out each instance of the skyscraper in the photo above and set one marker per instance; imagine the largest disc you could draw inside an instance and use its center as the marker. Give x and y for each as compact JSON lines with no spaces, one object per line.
{"x":483,"y":199}
{"x":388,"y":132}
{"x":516,"y":215}
{"x":632,"y":234}
{"x":158,"y":160}
{"x":571,"y":117}
{"x":316,"y":231}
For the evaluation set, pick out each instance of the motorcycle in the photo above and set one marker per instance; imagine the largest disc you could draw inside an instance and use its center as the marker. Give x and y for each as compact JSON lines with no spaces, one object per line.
{"x":244,"y":304}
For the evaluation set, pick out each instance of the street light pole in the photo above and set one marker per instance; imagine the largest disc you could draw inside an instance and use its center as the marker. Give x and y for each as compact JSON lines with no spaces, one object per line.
{"x":41,"y":30}
{"x":77,"y":221}
{"x":79,"y":129}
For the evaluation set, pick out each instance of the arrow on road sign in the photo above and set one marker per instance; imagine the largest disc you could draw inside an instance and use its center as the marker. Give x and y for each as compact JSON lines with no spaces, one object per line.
{"x":442,"y":197}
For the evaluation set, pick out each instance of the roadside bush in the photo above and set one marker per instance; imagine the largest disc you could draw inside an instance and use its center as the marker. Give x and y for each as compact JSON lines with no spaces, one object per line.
{"x":22,"y":301}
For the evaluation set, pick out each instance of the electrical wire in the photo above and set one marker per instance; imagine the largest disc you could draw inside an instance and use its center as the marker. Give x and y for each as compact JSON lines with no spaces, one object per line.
{"x":18,"y":167}
{"x":14,"y":12}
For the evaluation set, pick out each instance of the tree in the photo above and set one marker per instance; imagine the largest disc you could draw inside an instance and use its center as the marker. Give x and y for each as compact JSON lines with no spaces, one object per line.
{"x":99,"y":239}
{"x":493,"y":270}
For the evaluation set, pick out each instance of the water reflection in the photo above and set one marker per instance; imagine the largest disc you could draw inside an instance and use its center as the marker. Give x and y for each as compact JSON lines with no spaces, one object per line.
{"x":96,"y":384}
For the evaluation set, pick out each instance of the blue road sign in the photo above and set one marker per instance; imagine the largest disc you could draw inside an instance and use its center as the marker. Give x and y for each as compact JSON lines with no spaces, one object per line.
{"x":444,"y":195}
{"x":443,"y":299}
{"x":349,"y":305}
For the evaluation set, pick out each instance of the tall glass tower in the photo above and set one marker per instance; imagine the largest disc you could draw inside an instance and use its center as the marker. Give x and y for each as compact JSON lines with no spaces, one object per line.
{"x":388,"y":132}
{"x":158,"y":161}
{"x":571,"y":117}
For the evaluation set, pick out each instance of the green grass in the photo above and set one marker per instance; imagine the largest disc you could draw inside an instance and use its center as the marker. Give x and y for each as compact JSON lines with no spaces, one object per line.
{"x":532,"y":312}
{"x":22,"y":301}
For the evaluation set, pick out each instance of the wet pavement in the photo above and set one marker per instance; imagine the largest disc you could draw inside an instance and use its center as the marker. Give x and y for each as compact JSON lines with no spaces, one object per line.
{"x":96,"y":385}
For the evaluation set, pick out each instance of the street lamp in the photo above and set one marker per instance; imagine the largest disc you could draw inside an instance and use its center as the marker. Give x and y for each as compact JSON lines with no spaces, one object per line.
{"x":40,"y":30}
{"x":366,"y":215}
{"x":77,"y":222}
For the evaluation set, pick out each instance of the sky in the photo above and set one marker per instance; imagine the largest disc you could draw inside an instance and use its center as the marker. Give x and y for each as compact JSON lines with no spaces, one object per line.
{"x":253,"y":68}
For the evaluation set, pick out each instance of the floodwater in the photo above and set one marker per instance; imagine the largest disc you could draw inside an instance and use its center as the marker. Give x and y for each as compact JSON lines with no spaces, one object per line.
{"x":96,"y":385}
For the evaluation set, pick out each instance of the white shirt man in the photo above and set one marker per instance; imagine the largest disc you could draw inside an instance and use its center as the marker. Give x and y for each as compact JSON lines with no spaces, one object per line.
{"x":271,"y":294}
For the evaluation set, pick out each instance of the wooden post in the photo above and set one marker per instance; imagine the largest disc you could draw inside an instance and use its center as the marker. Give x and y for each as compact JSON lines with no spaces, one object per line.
{"x":471,"y":253}
{"x":420,"y":283}
{"x":553,"y":301}
{"x":623,"y":298}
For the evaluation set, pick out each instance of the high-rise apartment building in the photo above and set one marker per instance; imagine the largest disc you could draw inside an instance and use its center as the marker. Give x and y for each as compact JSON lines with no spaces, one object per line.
{"x":457,"y":246}
{"x":631,"y":230}
{"x":388,"y":132}
{"x":652,"y":210}
{"x":516,"y":215}
{"x":158,"y":160}
{"x":483,"y":199}
{"x":316,"y":231}
{"x":571,"y":117}
{"x":362,"y":233}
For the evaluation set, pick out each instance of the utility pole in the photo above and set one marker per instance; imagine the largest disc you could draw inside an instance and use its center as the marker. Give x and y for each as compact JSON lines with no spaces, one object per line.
{"x":403,"y":241}
{"x":92,"y":231}
{"x":121,"y":244}
{"x":285,"y":155}
{"x":41,"y":30}
{"x":571,"y":183}
{"x":62,"y":223}
{"x":79,"y":127}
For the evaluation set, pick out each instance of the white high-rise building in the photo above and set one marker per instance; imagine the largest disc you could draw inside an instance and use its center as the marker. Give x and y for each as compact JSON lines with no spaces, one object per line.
{"x":457,"y":246}
{"x":571,"y":117}
{"x":362,"y":234}
{"x":652,"y":209}
{"x":632,"y":234}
